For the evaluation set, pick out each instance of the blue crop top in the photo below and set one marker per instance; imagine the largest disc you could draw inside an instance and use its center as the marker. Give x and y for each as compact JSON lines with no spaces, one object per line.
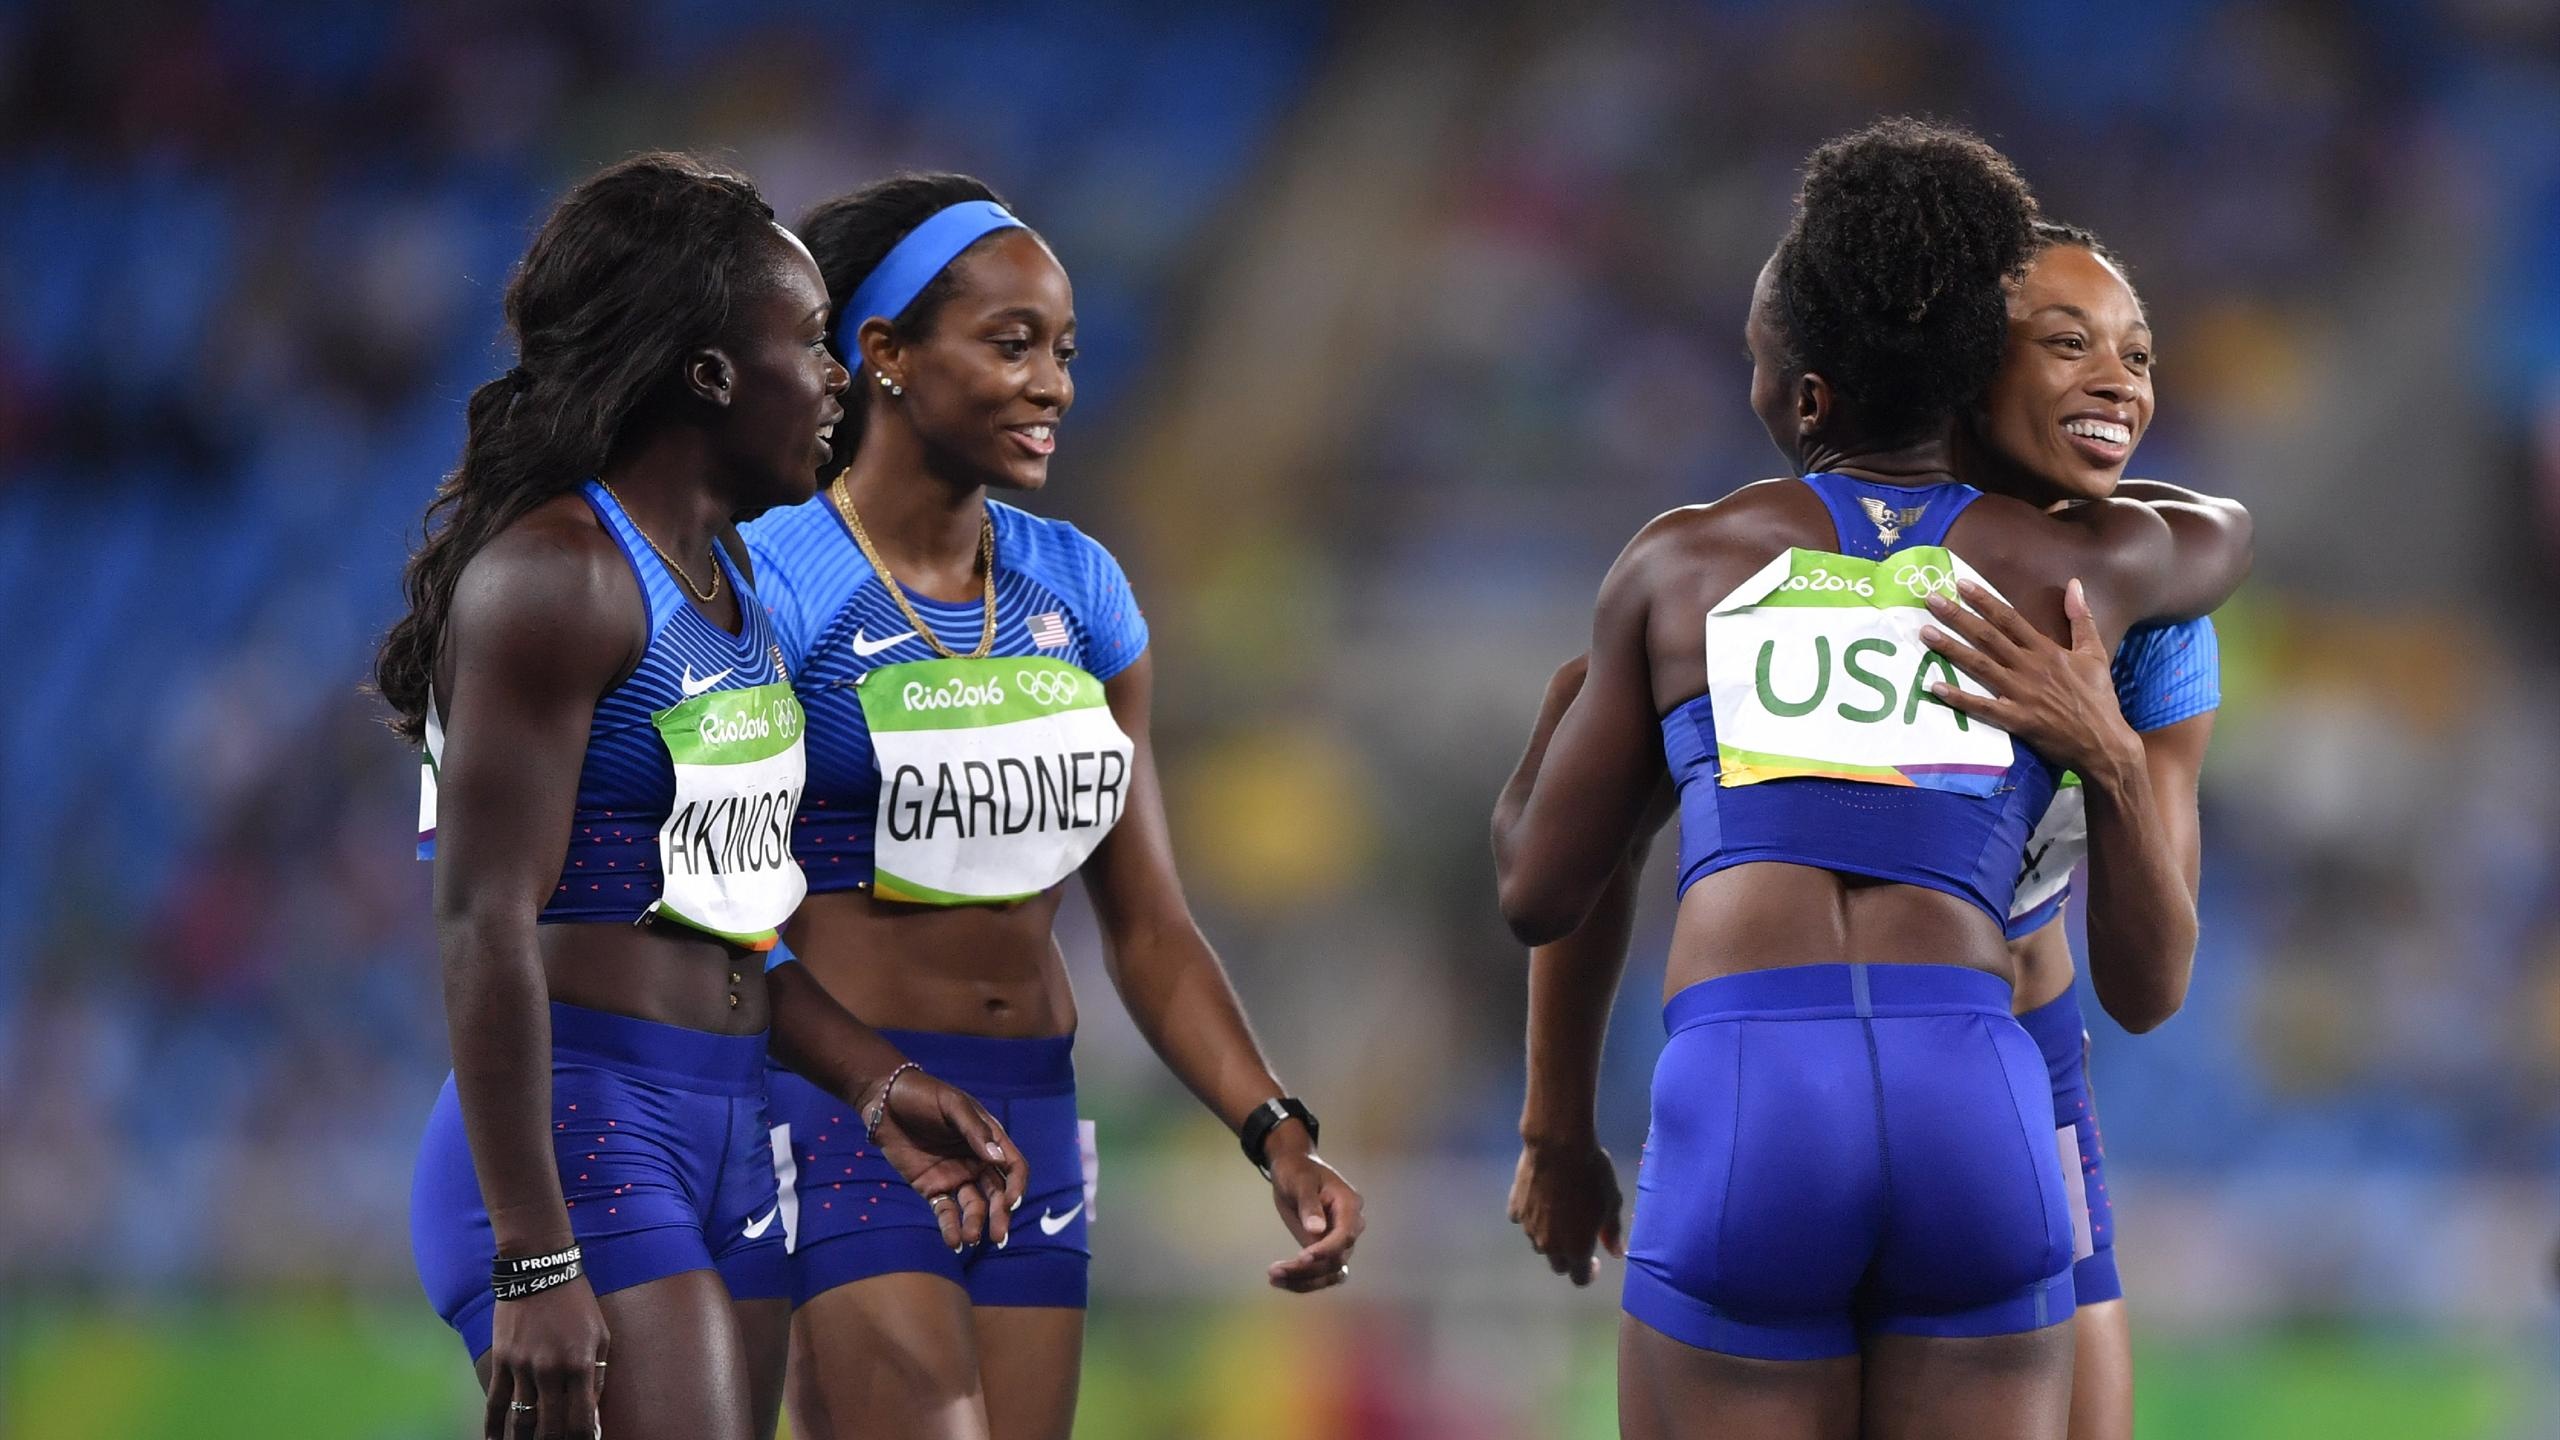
{"x":627,"y":782}
{"x":1059,"y":594}
{"x":1964,"y":844}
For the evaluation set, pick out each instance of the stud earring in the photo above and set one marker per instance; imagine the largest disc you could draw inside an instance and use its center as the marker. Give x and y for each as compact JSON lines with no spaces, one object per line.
{"x":892,"y":386}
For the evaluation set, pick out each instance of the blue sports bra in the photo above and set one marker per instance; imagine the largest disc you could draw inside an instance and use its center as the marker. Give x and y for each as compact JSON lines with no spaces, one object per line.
{"x":735,"y":831}
{"x":1960,"y":830}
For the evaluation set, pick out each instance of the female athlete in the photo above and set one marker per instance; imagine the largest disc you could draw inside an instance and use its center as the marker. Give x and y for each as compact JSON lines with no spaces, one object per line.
{"x":1838,"y":985}
{"x":2070,"y":405}
{"x":615,"y":751}
{"x":977,"y":683}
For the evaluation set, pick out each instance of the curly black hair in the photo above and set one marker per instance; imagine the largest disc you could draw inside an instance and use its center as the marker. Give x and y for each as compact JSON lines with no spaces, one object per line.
{"x":1892,"y":282}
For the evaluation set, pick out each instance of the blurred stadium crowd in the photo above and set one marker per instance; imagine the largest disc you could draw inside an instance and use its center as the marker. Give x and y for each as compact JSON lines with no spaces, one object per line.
{"x":1397,"y":326}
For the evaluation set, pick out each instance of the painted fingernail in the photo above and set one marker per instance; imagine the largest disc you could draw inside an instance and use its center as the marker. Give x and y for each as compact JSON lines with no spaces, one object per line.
{"x":995,"y":1152}
{"x":1007,"y":1240}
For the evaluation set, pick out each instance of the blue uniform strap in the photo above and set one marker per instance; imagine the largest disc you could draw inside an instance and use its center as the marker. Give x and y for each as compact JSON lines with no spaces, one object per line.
{"x":657,"y":587}
{"x":1863,"y":514}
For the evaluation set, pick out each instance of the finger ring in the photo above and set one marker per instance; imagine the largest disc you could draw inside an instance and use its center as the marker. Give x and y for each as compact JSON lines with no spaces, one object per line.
{"x":939,"y":1200}
{"x":520,"y":1405}
{"x":602,"y":1363}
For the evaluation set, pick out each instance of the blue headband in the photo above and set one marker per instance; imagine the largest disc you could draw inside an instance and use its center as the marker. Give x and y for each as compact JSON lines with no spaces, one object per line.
{"x":911,"y":264}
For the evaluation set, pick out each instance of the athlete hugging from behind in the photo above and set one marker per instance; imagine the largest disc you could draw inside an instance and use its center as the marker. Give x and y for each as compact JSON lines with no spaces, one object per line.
{"x":978,"y":687}
{"x":2070,"y":405}
{"x":1840,"y":987}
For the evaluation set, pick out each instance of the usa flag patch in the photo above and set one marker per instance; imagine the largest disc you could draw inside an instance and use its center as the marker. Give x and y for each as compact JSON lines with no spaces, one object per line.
{"x":1049,"y":630}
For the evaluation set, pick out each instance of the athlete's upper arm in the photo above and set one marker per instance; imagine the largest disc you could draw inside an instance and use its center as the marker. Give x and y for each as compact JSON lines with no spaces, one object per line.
{"x":1131,"y":877}
{"x":2175,"y":757}
{"x":538,"y":631}
{"x":2175,"y":556}
{"x":1602,"y":766}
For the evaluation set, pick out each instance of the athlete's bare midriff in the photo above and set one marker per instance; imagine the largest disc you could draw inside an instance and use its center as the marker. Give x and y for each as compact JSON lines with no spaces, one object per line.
{"x":656,"y":971}
{"x":1769,"y":915}
{"x":2044,"y":965}
{"x":992,"y":970}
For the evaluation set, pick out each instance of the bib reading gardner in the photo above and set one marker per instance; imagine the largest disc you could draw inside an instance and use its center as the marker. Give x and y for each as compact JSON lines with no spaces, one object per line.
{"x":724,"y":855}
{"x":998,"y":776}
{"x":1815,"y":668}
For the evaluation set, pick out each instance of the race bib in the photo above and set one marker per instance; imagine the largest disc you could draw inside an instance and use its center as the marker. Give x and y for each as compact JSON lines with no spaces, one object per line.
{"x":998,"y":777}
{"x":2055,"y":848}
{"x":1815,"y":669}
{"x":724,"y":855}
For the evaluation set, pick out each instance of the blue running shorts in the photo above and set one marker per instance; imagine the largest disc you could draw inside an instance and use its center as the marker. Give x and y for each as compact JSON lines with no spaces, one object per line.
{"x":851,"y":1216}
{"x":1841,"y":1149}
{"x":2058,"y":1031}
{"x":661,"y":1137}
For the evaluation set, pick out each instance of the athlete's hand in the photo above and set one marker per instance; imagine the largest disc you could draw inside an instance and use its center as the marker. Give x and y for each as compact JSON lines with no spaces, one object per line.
{"x":1321,"y":1210}
{"x":547,"y":1352}
{"x":956,"y":1156}
{"x":1565,"y":1198}
{"x":2060,"y":702}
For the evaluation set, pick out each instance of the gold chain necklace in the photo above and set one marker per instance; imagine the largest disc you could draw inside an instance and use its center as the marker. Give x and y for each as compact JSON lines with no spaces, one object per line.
{"x":843,"y":497}
{"x":705,"y":596}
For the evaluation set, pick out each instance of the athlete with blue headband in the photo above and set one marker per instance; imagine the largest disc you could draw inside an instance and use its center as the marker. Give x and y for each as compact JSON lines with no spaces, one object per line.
{"x":2070,"y":405}
{"x":1852,"y":1217}
{"x":978,"y":685}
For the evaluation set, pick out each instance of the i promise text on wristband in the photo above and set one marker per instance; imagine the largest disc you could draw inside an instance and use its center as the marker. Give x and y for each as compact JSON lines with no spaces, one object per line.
{"x":516,"y":1278}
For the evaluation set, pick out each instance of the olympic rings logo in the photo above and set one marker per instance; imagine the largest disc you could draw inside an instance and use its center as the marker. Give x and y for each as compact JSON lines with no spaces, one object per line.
{"x":1925,"y":579}
{"x":1821,"y":579}
{"x":1052,"y":688}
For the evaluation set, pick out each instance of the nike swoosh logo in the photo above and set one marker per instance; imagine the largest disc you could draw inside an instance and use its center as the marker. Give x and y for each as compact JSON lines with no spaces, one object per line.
{"x":693,"y":687}
{"x":868,"y":648}
{"x":756,"y":1228}
{"x":1052,"y":1224}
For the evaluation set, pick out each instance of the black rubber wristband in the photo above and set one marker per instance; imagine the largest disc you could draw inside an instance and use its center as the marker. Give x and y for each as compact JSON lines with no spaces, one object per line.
{"x":1256,"y":1134}
{"x":520,"y":1286}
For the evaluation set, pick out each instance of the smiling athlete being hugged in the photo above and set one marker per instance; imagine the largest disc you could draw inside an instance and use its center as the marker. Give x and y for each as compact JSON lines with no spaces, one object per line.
{"x":1850,"y":1218}
{"x":613,"y":753}
{"x":977,"y":682}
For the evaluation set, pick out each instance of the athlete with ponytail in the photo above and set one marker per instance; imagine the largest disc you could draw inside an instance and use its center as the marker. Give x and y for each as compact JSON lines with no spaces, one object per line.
{"x":1851,"y":1217}
{"x":613,"y":756}
{"x":978,"y":689}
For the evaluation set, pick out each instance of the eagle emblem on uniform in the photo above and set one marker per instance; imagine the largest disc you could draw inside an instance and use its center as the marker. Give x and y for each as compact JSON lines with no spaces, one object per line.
{"x":1889,"y":521}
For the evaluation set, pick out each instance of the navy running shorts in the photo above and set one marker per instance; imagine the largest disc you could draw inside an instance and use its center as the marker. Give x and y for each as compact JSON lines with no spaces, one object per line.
{"x":850,"y":1216}
{"x":2058,"y":1031}
{"x":661,"y":1138}
{"x":1843,"y":1149}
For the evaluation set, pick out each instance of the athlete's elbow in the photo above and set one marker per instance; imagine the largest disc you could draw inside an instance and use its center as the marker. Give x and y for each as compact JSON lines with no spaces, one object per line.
{"x":1539,"y":911}
{"x":2148,"y":1004}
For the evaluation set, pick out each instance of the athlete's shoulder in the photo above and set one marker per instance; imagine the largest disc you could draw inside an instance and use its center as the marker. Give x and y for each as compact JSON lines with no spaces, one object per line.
{"x":1764,"y":516}
{"x":1041,"y":540}
{"x":789,"y":532}
{"x":1079,"y":570}
{"x":555,"y":581}
{"x":1057,"y":554}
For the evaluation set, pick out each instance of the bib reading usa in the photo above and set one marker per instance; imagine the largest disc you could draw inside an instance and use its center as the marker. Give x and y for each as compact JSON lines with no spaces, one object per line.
{"x":998,"y":776}
{"x":1816,"y":669}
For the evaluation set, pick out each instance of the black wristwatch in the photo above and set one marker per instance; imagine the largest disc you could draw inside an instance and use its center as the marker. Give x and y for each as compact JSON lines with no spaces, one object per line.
{"x":1256,"y":1134}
